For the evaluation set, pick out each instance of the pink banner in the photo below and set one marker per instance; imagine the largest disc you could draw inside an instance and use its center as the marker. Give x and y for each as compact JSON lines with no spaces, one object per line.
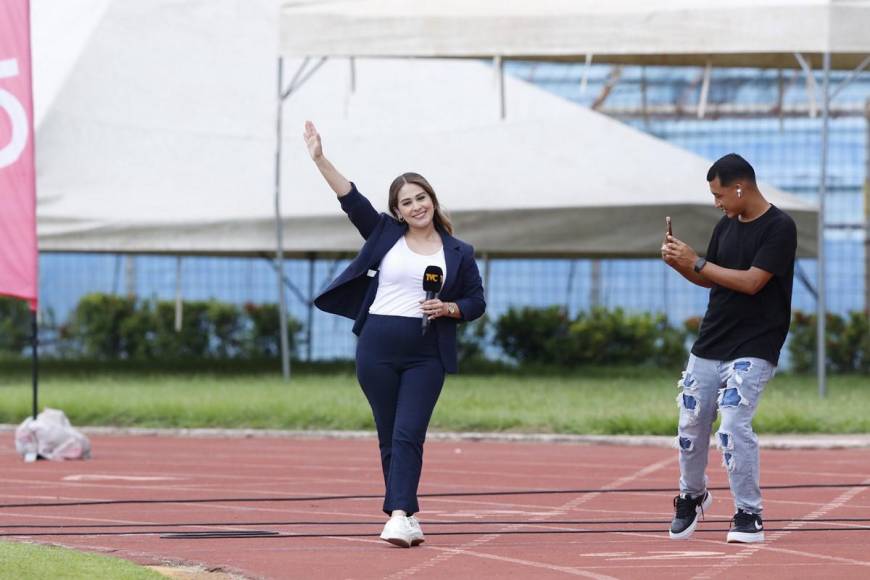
{"x":19,"y":256}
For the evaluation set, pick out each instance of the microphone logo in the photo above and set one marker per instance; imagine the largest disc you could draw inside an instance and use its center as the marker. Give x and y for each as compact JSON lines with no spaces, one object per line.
{"x":432,"y":279}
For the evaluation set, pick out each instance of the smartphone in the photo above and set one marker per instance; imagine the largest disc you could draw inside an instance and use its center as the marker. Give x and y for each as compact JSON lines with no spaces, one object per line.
{"x":668,"y":221}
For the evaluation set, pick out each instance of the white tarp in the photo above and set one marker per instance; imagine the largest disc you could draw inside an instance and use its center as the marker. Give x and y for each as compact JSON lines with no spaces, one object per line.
{"x":752,"y":33}
{"x":161,"y":139}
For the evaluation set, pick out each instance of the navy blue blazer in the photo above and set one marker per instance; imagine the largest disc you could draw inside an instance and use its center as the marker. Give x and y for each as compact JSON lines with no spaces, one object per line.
{"x":353,"y":291}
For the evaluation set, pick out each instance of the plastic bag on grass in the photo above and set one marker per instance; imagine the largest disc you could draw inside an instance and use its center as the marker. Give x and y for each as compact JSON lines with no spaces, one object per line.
{"x":51,"y":436}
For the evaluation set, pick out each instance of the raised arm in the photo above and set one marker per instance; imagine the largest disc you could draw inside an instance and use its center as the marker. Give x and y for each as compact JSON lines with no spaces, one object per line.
{"x":360,"y":211}
{"x":338,"y":182}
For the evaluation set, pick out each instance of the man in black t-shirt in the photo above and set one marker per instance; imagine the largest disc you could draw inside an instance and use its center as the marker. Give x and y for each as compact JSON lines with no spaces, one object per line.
{"x":749,"y":268}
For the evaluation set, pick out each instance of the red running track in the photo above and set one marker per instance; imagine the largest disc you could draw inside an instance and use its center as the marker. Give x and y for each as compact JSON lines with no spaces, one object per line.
{"x":311,"y":495}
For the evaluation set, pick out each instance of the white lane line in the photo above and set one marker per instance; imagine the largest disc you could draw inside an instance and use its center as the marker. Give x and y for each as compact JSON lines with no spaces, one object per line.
{"x":539,"y":565}
{"x":766,"y":548}
{"x":650,"y":565}
{"x":333,"y":515}
{"x":752,"y":549}
{"x":467,"y":549}
{"x":99,"y":477}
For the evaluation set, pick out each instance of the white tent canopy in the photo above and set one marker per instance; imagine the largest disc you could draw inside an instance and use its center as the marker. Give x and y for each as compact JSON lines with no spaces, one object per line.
{"x":160,"y":139}
{"x":675,"y":32}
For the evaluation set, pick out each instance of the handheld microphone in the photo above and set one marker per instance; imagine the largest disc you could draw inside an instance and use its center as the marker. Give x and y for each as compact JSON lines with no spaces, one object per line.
{"x":432,"y":279}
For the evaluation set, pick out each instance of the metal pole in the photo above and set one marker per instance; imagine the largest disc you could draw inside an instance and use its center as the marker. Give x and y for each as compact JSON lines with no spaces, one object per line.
{"x":705,"y":90}
{"x":34,"y":341}
{"x":499,"y":71}
{"x":116,"y":276}
{"x":569,"y":291}
{"x":310,"y":323}
{"x":584,"y":79}
{"x":643,"y":97}
{"x":595,"y":286}
{"x":665,"y":295}
{"x":178,"y":302}
{"x":279,"y":233}
{"x":821,"y":305}
{"x":130,"y":275}
{"x":867,"y":210}
{"x":486,"y":273}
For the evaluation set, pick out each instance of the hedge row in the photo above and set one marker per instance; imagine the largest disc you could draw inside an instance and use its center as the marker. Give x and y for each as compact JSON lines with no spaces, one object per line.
{"x":14,"y":325}
{"x":847,"y":340}
{"x":105,"y":326}
{"x":548,"y":336}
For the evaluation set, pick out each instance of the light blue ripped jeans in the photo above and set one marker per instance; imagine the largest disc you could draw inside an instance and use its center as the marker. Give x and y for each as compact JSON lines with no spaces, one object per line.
{"x":733,"y":389}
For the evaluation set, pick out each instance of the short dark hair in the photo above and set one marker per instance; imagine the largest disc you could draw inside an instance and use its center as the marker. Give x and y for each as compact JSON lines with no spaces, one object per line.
{"x":730,"y":168}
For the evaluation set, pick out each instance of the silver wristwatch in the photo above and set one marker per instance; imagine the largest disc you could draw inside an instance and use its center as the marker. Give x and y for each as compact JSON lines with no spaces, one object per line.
{"x":699,"y":265}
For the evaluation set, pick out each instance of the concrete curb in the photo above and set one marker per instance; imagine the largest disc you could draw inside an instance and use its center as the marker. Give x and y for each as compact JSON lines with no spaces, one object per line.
{"x":859,"y":441}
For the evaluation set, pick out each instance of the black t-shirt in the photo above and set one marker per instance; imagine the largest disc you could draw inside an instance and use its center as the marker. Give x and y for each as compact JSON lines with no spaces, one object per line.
{"x":738,"y":324}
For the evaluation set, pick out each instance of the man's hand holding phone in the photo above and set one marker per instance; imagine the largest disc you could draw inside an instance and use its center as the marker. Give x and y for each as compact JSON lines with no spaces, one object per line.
{"x":669,"y":232}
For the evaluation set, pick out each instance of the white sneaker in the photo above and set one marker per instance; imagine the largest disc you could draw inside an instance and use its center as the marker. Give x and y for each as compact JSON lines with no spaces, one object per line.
{"x":398,"y":532}
{"x":417,"y":536}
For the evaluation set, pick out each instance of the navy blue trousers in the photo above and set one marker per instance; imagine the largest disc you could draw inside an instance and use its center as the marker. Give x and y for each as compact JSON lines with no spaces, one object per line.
{"x":401,"y":374}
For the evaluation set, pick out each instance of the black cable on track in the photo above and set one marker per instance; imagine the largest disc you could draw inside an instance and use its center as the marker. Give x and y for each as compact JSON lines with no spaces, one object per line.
{"x":429,"y":523}
{"x":269,"y":534}
{"x":182,"y":536}
{"x":429,"y":495}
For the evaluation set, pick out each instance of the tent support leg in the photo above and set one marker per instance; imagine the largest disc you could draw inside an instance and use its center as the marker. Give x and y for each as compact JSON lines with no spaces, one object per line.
{"x":309,"y":333}
{"x":279,"y":233}
{"x":179,"y":304}
{"x":499,"y":71}
{"x":34,"y":343}
{"x":705,"y":90}
{"x":867,"y":210}
{"x":301,"y":76}
{"x":569,"y":291}
{"x":821,"y":304}
{"x":811,"y":83}
{"x":595,"y":284}
{"x":486,"y":272}
{"x":584,"y":80}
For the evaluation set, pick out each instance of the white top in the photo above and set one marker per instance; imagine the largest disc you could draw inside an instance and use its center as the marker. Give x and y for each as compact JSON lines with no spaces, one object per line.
{"x":400,"y":288}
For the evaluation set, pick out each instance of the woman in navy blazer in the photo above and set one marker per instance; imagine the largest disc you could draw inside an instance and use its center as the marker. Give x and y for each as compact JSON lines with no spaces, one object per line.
{"x":401,"y":369}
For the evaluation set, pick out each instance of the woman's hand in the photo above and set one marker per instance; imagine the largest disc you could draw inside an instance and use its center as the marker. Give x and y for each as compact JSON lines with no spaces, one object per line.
{"x":433,"y":309}
{"x":312,"y":141}
{"x":338,"y":182}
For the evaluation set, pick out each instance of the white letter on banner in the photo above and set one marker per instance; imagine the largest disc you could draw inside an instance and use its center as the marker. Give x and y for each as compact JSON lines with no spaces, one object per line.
{"x":10,"y":153}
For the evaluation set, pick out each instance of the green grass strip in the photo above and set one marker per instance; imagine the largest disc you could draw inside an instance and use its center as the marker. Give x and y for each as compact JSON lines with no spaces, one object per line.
{"x":595,"y":401}
{"x":19,"y":561}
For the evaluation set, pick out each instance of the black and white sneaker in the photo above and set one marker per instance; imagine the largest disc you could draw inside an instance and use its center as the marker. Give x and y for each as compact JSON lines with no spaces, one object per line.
{"x":746,"y":528}
{"x":686,"y":511}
